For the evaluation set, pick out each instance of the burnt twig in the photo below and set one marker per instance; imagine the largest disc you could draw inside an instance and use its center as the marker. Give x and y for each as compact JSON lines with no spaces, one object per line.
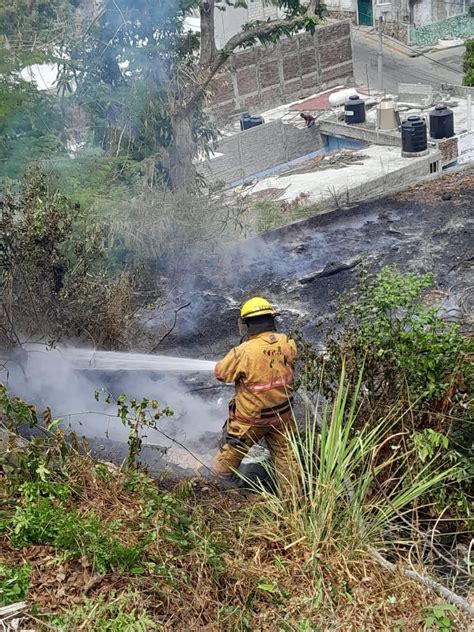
{"x":176,"y":311}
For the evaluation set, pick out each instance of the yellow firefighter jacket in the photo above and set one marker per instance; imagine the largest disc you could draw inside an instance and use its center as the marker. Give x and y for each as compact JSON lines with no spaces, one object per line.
{"x":262,"y":369}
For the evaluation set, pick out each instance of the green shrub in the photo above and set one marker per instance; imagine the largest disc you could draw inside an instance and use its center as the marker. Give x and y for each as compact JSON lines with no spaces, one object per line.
{"x":44,"y":518}
{"x":14,"y":583}
{"x":468,"y":64}
{"x":408,"y":350}
{"x":414,"y":362}
{"x":54,"y":276}
{"x":339,"y":494}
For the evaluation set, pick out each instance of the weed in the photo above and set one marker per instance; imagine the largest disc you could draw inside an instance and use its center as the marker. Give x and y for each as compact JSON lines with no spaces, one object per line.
{"x":269,"y":215}
{"x":14,"y":583}
{"x":136,"y":415}
{"x":414,"y":362}
{"x":43,"y":518}
{"x":110,"y":614}
{"x":437,"y":617}
{"x":339,"y":491}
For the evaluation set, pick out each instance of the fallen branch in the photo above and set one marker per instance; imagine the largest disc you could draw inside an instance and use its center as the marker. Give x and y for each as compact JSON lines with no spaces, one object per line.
{"x":425,"y":580}
{"x":7,"y":612}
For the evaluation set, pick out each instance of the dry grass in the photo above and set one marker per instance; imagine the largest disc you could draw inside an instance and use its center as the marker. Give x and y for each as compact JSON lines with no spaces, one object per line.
{"x":230,"y":578}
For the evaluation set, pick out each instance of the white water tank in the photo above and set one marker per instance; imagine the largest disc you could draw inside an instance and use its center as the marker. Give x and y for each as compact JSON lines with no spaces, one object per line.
{"x":341,"y":96}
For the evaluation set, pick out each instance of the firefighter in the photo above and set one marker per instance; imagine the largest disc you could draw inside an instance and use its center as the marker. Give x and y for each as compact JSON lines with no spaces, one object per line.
{"x":262,"y":369}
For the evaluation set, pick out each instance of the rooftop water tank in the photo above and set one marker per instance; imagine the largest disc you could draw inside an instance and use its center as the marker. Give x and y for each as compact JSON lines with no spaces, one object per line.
{"x":441,"y":122}
{"x":245,"y":121}
{"x":387,"y":115}
{"x":414,"y":137}
{"x":354,"y":110}
{"x":341,"y":96}
{"x":256,"y":120}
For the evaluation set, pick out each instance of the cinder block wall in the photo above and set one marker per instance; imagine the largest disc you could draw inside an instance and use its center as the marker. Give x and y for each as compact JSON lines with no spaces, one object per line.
{"x":260,"y":148}
{"x":267,"y":76}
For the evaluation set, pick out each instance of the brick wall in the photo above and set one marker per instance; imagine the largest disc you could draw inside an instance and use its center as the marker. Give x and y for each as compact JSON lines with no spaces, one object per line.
{"x":448,"y":147}
{"x":267,"y":76}
{"x":260,"y":148}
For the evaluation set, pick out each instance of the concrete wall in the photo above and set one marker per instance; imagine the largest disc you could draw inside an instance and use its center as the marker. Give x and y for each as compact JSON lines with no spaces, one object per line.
{"x":415,"y":170}
{"x":420,"y":22}
{"x":255,"y":150}
{"x":466,"y":148}
{"x":429,"y":11}
{"x":267,"y":76}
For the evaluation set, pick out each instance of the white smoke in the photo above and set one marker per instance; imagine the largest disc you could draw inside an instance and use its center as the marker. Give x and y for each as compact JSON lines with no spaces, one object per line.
{"x":49,"y":379}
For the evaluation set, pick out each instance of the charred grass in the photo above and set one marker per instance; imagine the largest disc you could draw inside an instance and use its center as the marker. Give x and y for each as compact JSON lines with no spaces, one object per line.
{"x":199,"y":562}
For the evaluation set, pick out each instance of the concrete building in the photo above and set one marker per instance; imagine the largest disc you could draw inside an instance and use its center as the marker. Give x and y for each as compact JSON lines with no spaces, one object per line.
{"x":417,"y":22}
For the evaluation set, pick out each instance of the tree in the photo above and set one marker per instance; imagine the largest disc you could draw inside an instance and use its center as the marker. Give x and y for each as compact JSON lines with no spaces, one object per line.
{"x":30,"y":120}
{"x":144,"y":76}
{"x":468,"y":65}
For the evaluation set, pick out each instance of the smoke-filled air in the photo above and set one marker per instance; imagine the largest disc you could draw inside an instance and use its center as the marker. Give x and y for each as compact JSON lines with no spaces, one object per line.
{"x":236,"y":309}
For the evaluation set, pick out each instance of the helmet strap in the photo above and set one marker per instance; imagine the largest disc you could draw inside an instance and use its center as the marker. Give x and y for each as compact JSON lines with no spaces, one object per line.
{"x":243,"y":328}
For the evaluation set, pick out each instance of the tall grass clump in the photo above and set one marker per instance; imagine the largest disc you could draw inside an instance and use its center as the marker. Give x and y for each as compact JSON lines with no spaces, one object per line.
{"x":350,"y":485}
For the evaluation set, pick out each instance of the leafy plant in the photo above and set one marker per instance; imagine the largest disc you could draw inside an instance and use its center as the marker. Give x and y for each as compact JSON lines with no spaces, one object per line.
{"x":116,"y":612}
{"x":137,"y":415}
{"x":413,"y":361}
{"x":340,"y":492}
{"x":53,"y":276}
{"x":44,"y":518}
{"x":468,"y":64}
{"x":14,"y":583}
{"x":437,"y":617}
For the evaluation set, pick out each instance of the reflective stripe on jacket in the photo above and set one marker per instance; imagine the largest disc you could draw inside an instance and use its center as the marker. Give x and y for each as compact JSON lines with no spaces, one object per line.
{"x":263,"y":370}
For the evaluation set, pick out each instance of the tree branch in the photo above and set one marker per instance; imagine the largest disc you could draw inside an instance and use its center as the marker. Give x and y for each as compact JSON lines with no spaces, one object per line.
{"x":259,"y":31}
{"x":208,"y":39}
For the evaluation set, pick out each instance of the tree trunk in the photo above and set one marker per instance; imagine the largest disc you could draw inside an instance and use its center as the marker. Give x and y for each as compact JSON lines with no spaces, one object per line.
{"x":182,"y":151}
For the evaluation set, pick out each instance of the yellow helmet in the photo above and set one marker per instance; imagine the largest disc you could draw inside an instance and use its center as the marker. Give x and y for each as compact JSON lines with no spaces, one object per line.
{"x":256,"y":306}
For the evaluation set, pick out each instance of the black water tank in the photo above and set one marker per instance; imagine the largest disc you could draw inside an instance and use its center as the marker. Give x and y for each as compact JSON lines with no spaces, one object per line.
{"x":441,"y":122}
{"x":245,"y":121}
{"x":354,"y":110}
{"x":256,"y":120}
{"x":414,"y":138}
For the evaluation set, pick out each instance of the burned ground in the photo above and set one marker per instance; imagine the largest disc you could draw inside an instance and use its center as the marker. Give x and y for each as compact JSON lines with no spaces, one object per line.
{"x":305,"y":267}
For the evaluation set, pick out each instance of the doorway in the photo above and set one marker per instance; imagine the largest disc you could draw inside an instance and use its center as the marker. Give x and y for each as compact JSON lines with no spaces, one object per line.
{"x":365,"y":12}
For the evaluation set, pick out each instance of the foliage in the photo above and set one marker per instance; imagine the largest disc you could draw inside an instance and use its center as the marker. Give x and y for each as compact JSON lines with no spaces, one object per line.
{"x":43,"y":518}
{"x":438,"y":619}
{"x":53,"y":273}
{"x":166,"y":231}
{"x":349,"y":492}
{"x":118,"y":612}
{"x":115,"y":551}
{"x":407,"y":348}
{"x":138,"y":415}
{"x":413,"y":360}
{"x":468,"y":65}
{"x":125,"y":86}
{"x":31,"y":120}
{"x":14,"y":582}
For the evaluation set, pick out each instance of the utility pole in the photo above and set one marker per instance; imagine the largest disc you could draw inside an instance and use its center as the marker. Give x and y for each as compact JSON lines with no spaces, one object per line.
{"x":380,"y":55}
